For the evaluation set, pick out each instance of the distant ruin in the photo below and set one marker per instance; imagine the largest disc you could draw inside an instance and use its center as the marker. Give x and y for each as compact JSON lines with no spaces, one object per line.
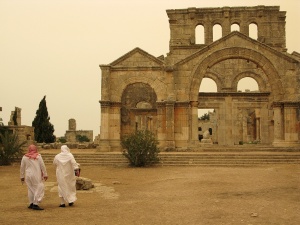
{"x":72,"y":133}
{"x":25,"y":133}
{"x":161,"y":94}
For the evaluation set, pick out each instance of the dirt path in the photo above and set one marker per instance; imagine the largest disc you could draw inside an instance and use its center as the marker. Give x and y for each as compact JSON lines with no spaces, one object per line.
{"x":163,"y":195}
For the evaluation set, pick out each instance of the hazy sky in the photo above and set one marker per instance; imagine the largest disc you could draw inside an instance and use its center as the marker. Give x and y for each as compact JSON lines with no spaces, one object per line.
{"x":54,"y":48}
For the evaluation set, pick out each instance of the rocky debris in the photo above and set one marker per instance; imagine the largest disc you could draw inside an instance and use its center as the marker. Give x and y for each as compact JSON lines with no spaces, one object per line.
{"x":83,"y":183}
{"x":254,"y":214}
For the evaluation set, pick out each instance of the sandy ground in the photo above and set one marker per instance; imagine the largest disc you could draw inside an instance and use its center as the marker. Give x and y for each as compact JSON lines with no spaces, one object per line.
{"x":266,"y":195}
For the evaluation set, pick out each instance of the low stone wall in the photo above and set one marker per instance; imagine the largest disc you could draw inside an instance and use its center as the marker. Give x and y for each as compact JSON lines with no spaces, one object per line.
{"x":86,"y":145}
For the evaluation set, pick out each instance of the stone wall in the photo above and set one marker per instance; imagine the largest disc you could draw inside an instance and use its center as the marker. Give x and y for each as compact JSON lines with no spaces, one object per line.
{"x":269,"y":116}
{"x":70,"y":135}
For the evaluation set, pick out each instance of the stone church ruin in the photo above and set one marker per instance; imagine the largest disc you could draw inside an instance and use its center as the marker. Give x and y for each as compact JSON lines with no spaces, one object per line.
{"x":161,"y":94}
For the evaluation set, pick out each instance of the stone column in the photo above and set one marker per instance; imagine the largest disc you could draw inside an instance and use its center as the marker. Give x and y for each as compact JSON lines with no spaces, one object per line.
{"x":226,"y":26}
{"x":208,"y":33}
{"x":244,"y":28}
{"x":245,"y":128}
{"x":194,"y":125}
{"x":228,"y":121}
{"x":19,"y":116}
{"x":105,"y":82}
{"x":264,"y":125}
{"x":170,"y":142}
{"x":286,"y":124}
{"x":222,"y":128}
{"x":278,"y":124}
{"x":291,"y":122}
{"x":72,"y":124}
{"x":257,"y":127}
{"x":257,"y":124}
{"x":104,"y":128}
{"x":115,"y":126}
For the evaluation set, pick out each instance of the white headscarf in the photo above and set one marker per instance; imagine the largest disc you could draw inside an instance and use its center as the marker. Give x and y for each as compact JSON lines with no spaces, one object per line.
{"x":65,"y":155}
{"x":64,"y":149}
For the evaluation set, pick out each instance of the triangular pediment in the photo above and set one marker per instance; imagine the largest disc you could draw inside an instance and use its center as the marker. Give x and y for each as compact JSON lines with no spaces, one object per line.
{"x":137,"y":58}
{"x":236,"y":39}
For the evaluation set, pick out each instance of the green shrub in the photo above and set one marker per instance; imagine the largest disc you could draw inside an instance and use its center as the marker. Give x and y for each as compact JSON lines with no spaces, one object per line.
{"x":62,"y":140}
{"x":10,"y":148}
{"x":82,"y":138}
{"x":140,"y":148}
{"x":3,"y":129}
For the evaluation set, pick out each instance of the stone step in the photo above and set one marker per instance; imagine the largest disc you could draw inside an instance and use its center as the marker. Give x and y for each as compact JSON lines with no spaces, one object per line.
{"x":189,"y":158}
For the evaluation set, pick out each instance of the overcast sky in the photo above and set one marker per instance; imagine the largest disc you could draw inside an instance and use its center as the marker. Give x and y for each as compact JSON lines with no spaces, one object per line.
{"x":54,"y":48}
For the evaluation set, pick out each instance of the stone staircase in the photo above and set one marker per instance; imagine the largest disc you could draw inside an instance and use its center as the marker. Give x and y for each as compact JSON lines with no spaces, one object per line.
{"x":229,"y":159}
{"x":210,"y":157}
{"x":101,"y":159}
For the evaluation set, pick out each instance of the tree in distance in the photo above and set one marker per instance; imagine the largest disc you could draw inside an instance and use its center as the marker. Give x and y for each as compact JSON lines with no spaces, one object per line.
{"x":43,"y":129}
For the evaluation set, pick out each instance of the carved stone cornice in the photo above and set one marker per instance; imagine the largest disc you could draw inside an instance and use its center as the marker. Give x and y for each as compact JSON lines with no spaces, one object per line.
{"x":109,"y":104}
{"x":233,"y":94}
{"x":161,"y":104}
{"x":291,"y":104}
{"x":104,"y":103}
{"x":137,"y":68}
{"x":116,"y":104}
{"x":182,"y":104}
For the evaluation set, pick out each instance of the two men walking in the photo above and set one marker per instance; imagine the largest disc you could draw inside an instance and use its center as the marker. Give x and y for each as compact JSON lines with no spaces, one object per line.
{"x":33,"y":172}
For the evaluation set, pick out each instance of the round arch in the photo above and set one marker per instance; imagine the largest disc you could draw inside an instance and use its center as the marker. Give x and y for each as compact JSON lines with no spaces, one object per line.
{"x":158,"y":86}
{"x":260,"y":81}
{"x":235,"y":21}
{"x":215,"y":78}
{"x":138,"y":93}
{"x":236,"y":53}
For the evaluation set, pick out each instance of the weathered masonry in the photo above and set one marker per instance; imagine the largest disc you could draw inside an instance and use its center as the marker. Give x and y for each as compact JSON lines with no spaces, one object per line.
{"x":140,"y":91}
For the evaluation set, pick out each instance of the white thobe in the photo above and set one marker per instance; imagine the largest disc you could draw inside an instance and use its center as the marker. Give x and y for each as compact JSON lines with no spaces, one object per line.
{"x":34,"y":171}
{"x":66,"y":179}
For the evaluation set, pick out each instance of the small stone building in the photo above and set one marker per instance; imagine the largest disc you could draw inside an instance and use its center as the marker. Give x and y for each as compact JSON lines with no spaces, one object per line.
{"x":161,"y":94}
{"x":72,"y":133}
{"x":25,"y":133}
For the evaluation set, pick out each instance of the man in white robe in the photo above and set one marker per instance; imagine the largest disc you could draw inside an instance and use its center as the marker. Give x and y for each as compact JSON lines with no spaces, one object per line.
{"x":66,"y":167}
{"x":33,"y":172}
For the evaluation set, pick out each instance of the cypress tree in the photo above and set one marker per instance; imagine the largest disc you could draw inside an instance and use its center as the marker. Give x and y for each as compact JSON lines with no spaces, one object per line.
{"x":15,"y":117}
{"x":43,"y":129}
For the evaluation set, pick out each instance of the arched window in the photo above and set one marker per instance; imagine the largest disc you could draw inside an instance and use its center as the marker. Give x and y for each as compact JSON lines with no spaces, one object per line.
{"x":235,"y":27}
{"x":217,"y":32}
{"x":208,"y":85}
{"x":247,"y":84}
{"x":253,"y":32}
{"x":200,"y":35}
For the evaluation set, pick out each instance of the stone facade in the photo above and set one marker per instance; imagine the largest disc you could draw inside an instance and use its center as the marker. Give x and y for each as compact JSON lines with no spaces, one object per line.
{"x":140,"y":91}
{"x":25,"y":133}
{"x":15,"y":117}
{"x":71,"y":134}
